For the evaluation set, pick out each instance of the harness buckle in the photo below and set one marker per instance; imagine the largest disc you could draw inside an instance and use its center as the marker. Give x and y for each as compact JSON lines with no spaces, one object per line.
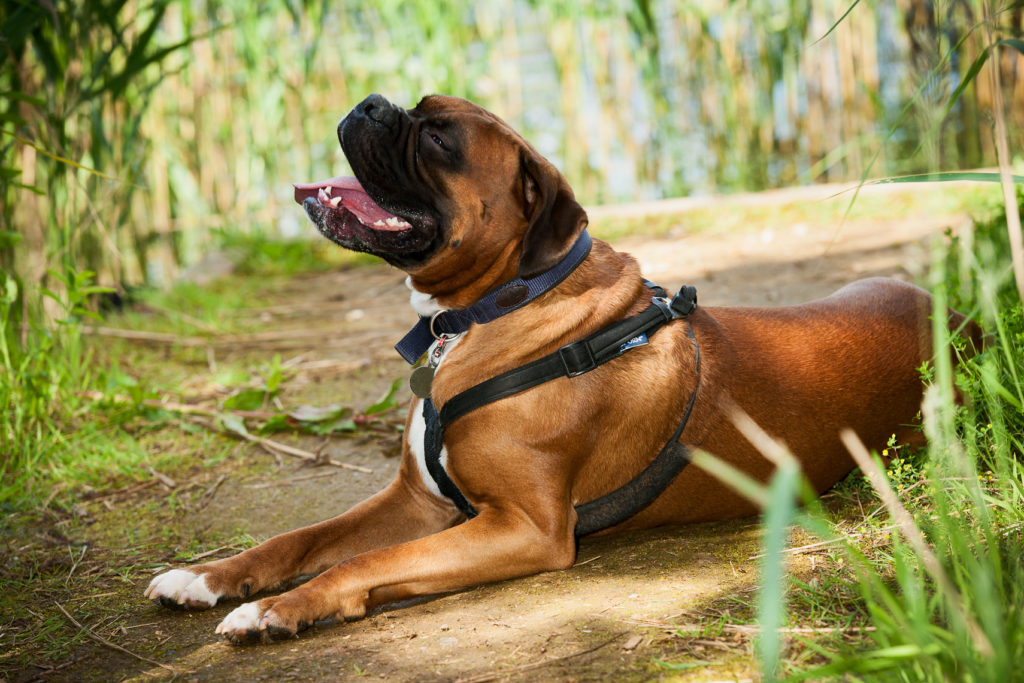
{"x":577,"y":358}
{"x":681,"y":305}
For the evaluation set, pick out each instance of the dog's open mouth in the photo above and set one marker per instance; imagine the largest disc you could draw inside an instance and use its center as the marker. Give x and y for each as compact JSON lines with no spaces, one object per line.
{"x":346,"y":196}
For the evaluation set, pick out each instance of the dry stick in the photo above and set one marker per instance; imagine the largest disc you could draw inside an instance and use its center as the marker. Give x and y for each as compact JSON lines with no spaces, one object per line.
{"x":123,"y":491}
{"x":1003,"y":157}
{"x":908,"y":527}
{"x":75,"y":563}
{"x":286,"y":449}
{"x":163,"y":478}
{"x":232,"y":546}
{"x":822,"y":544}
{"x":291,"y":480}
{"x":481,"y":678}
{"x":104,"y":641}
{"x":208,"y":493}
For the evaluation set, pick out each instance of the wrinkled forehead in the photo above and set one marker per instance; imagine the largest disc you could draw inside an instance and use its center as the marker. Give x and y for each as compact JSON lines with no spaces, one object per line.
{"x":445,"y":109}
{"x":471,"y":125}
{"x":446,"y":104}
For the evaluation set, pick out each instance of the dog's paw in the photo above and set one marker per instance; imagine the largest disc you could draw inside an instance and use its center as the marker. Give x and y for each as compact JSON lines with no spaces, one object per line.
{"x":182,"y":589}
{"x":258,"y":622}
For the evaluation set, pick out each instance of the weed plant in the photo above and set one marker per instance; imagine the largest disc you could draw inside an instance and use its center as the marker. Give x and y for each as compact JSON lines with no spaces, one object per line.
{"x":933,"y":590}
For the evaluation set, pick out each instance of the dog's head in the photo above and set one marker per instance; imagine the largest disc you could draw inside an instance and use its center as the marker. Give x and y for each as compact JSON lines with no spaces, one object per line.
{"x":447,"y":192}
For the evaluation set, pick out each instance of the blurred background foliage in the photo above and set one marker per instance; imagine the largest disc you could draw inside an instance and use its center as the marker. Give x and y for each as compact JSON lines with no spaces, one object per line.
{"x":197,"y":116}
{"x":139,"y":136}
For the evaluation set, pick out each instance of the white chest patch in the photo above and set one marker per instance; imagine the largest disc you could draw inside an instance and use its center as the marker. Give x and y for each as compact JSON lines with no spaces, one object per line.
{"x":418,"y":428}
{"x":424,"y":304}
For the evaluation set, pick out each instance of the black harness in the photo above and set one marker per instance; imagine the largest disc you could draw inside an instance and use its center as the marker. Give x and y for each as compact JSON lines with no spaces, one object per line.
{"x":573,"y":360}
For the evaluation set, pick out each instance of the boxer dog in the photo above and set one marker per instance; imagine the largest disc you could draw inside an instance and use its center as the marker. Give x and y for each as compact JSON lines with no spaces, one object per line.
{"x":453,"y":196}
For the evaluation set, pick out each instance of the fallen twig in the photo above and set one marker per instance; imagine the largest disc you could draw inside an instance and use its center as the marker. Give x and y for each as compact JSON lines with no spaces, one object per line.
{"x":595,"y":557}
{"x":92,"y":597}
{"x":285,"y":448}
{"x":120,"y":492}
{"x":290,"y":480}
{"x":47,"y":670}
{"x":490,"y":676}
{"x":115,"y":646}
{"x":75,"y":563}
{"x":208,"y":493}
{"x":163,"y":478}
{"x":231,"y":546}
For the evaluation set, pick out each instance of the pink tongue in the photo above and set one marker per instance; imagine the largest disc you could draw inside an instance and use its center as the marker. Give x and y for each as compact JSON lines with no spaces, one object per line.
{"x":353,"y":199}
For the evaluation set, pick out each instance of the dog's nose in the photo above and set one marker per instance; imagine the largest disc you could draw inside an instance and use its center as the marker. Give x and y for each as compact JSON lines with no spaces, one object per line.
{"x":377,"y":108}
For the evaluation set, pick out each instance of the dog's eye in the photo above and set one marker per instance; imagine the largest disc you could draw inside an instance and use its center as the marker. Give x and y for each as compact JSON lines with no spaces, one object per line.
{"x":438,"y":141}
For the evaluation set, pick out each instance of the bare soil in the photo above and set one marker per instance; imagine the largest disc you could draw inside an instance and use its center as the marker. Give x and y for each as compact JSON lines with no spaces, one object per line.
{"x":631,"y":602}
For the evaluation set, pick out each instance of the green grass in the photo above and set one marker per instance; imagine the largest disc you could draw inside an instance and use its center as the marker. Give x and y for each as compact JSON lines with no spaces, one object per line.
{"x":939,"y":595}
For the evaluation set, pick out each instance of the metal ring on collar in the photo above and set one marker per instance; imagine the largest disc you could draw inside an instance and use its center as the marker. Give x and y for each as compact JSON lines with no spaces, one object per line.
{"x":432,"y":319}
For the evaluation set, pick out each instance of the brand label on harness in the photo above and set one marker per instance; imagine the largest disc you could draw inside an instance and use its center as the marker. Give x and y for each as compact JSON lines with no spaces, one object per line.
{"x":639,"y":340}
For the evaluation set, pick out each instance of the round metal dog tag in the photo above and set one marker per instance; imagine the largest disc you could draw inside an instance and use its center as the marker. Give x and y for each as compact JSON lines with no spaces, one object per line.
{"x":420,"y":381}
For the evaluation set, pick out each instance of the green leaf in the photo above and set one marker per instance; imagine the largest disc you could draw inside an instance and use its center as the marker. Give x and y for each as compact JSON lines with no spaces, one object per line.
{"x":273,"y":380}
{"x":278,"y":423}
{"x":232,"y":423}
{"x":838,"y":21}
{"x":387,"y":401}
{"x":951,"y":176}
{"x":771,"y":599}
{"x":1016,"y":43}
{"x":55,"y":157}
{"x":9,"y":292}
{"x":247,"y":399}
{"x":8,"y":238}
{"x":967,"y":79}
{"x":343,"y":424}
{"x":31,"y":188}
{"x":319,"y":413}
{"x":23,"y":97}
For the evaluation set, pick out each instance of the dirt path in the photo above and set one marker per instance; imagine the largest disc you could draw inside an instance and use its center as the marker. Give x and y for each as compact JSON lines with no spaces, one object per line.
{"x":630,"y":602}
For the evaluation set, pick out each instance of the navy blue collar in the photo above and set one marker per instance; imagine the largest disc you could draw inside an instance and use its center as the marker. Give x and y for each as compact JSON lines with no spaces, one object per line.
{"x":510,"y":296}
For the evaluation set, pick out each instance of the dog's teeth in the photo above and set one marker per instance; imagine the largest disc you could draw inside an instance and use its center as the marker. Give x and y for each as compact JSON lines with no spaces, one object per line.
{"x":323,"y":196}
{"x":335,"y":201}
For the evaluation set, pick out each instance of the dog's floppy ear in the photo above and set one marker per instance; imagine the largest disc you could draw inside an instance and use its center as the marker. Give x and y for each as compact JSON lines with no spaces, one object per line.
{"x":554,"y":219}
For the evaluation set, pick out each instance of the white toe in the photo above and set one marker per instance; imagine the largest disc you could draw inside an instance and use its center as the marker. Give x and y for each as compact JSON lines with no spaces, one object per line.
{"x":244,"y":618}
{"x":182,"y":586}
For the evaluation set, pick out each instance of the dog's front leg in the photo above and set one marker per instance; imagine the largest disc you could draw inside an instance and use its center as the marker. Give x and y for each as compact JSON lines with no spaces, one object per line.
{"x":399,"y":513}
{"x":495,"y":545}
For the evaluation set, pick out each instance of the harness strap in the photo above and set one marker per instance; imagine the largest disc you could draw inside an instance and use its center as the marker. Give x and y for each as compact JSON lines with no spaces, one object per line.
{"x":573,"y":359}
{"x":433,"y":442}
{"x":629,"y":499}
{"x":582,"y":356}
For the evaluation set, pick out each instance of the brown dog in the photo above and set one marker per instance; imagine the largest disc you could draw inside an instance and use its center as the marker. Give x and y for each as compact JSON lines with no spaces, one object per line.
{"x":463,"y":205}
